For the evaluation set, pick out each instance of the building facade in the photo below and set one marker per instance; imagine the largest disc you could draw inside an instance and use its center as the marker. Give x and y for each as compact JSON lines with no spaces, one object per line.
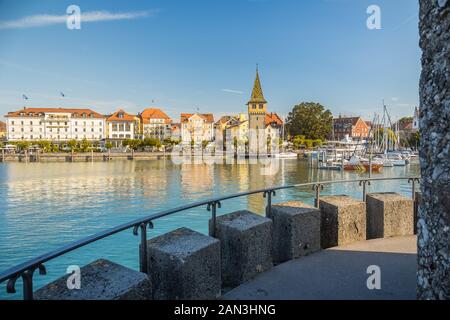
{"x":2,"y":130}
{"x":274,"y":126}
{"x":55,"y":124}
{"x":156,"y":124}
{"x":122,"y":125}
{"x":415,"y":122}
{"x":197,"y":127}
{"x":353,"y":127}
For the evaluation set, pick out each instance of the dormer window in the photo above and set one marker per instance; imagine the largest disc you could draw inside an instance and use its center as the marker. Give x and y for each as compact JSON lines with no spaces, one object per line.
{"x":120,"y":115}
{"x":84,"y":115}
{"x":22,"y":114}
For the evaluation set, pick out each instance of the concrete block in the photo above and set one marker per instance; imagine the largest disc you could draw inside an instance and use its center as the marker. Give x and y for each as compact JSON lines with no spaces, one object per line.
{"x":296,"y":230}
{"x":389,"y":214}
{"x":100,"y":280}
{"x":184,"y":265}
{"x":343,"y":220}
{"x":246,"y":246}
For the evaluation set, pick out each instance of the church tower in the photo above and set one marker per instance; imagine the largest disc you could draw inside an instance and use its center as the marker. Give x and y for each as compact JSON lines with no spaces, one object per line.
{"x":257,"y":107}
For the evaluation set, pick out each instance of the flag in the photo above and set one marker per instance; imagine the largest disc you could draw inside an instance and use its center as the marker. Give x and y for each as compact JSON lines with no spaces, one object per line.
{"x":25,"y":97}
{"x":62,"y":94}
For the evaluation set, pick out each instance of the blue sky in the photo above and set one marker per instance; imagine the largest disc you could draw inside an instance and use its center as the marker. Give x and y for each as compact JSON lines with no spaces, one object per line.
{"x":190,"y":54}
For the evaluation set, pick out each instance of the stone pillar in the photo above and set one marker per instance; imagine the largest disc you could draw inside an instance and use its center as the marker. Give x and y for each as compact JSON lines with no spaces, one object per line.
{"x":433,"y":276}
{"x":246,"y":246}
{"x":184,"y":265}
{"x":100,"y":280}
{"x":343,"y":220}
{"x":296,"y":230}
{"x":389,"y":214}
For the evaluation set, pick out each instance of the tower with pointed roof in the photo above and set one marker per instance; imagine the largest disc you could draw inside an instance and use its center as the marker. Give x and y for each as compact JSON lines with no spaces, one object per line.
{"x":257,"y":108}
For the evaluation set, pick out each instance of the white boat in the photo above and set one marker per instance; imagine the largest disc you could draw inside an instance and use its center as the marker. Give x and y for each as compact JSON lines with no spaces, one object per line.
{"x":387,"y":163}
{"x":286,"y":155}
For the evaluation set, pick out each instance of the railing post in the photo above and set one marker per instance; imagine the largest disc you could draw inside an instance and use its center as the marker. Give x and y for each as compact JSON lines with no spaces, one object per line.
{"x":413,"y":181}
{"x":317,"y":188}
{"x":212,"y":206}
{"x":269,"y":194}
{"x":363,"y":183}
{"x":143,"y":267}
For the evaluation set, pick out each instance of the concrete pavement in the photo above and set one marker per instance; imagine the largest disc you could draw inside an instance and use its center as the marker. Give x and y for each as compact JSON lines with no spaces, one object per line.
{"x":340,"y":273}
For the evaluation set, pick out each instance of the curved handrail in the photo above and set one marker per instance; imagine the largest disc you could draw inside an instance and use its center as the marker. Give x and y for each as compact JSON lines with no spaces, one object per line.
{"x":26,"y":269}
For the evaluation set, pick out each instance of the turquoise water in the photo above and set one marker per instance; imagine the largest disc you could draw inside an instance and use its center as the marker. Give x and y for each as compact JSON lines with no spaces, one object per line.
{"x":46,"y":205}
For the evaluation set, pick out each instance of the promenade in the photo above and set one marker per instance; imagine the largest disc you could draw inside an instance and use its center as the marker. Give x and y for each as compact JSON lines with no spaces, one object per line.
{"x":340,"y":273}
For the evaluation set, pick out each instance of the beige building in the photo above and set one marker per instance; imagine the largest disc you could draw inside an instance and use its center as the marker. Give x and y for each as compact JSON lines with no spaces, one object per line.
{"x":2,"y":130}
{"x":55,"y":124}
{"x":122,"y":125}
{"x":156,"y":124}
{"x":197,"y":127}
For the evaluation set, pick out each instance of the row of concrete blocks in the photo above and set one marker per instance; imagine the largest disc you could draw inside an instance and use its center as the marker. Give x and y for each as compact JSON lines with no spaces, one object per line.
{"x":184,"y":264}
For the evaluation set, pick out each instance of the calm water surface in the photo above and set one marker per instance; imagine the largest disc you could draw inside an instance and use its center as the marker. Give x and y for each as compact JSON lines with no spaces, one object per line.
{"x":46,"y":205}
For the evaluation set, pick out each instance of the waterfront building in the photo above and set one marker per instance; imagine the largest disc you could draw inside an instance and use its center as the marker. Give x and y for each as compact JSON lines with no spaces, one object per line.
{"x":2,"y":130}
{"x":122,"y":125}
{"x":274,"y":125}
{"x":257,"y":109}
{"x":55,"y":124}
{"x":353,"y":127}
{"x":197,"y":127}
{"x":176,"y":131}
{"x":235,"y":126}
{"x":156,"y":124}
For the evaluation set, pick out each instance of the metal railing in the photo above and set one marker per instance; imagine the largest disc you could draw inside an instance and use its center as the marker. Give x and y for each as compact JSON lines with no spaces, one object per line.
{"x":26,"y":270}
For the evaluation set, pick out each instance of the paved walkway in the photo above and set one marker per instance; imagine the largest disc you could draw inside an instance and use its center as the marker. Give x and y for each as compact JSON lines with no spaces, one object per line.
{"x":340,"y":273}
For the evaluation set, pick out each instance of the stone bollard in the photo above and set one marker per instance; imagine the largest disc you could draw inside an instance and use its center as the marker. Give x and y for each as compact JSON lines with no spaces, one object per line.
{"x":417,"y":202}
{"x":246,"y":246}
{"x":343,"y":220}
{"x":184,"y":265}
{"x":389,"y":214}
{"x":296,"y":230}
{"x":100,"y":280}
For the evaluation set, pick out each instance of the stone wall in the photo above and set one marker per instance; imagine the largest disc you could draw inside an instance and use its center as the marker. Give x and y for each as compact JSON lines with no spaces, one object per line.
{"x":433,"y":276}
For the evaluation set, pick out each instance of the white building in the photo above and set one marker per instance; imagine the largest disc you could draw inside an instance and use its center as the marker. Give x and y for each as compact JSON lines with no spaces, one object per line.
{"x":55,"y":124}
{"x":121,"y":125}
{"x":197,"y":127}
{"x":156,"y":124}
{"x":415,"y":124}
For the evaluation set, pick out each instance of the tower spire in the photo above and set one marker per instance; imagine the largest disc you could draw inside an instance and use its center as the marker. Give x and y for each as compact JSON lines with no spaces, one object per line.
{"x":257,"y":93}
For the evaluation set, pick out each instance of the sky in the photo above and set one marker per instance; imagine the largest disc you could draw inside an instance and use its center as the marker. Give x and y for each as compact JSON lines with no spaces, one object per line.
{"x":189,"y":55}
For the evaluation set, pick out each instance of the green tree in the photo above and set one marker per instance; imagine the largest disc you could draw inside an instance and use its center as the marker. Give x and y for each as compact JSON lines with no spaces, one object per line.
{"x":23,"y":145}
{"x":414,"y":139}
{"x":108,"y":145}
{"x":379,"y":135}
{"x":85,"y":145}
{"x":311,"y":120}
{"x":44,"y":145}
{"x":73,"y":145}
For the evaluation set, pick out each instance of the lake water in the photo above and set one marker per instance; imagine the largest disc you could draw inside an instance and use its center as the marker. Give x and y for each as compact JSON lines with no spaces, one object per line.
{"x":46,"y":205}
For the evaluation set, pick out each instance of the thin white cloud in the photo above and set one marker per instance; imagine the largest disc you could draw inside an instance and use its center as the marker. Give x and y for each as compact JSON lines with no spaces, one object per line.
{"x":91,"y":16}
{"x":231,"y":91}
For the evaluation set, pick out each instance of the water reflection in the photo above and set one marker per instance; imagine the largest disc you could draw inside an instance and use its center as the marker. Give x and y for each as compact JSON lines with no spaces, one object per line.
{"x":46,"y":205}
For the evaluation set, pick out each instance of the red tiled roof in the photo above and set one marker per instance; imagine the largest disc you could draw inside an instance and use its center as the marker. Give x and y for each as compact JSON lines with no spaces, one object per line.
{"x":154,"y":113}
{"x":33,"y":112}
{"x":273,"y":117}
{"x":126,"y":117}
{"x":346,"y":120}
{"x":209,"y":117}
